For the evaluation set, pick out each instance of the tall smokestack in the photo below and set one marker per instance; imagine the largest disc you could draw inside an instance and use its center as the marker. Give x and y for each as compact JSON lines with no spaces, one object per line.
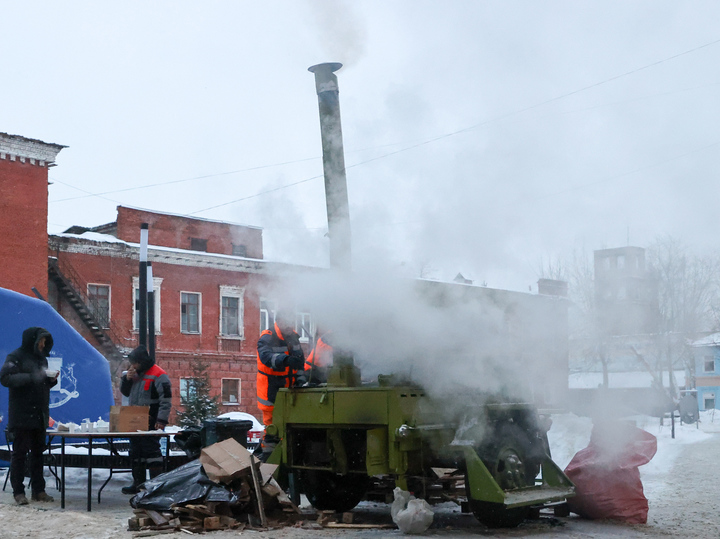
{"x":336,"y":197}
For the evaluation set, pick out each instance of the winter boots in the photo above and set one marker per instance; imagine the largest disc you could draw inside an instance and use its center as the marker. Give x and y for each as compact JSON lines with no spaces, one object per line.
{"x":138,"y":473}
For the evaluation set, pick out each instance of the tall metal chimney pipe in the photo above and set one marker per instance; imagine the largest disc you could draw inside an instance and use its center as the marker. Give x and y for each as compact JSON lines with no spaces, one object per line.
{"x":336,"y":196}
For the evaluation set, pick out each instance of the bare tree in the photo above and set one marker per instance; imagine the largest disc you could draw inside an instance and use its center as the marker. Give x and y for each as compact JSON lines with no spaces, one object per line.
{"x":688,"y":299}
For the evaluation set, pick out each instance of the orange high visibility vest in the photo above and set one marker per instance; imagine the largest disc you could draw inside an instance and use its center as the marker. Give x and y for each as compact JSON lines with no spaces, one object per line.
{"x":272,"y":375}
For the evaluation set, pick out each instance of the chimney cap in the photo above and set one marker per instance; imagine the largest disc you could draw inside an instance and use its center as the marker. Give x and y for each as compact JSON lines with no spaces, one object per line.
{"x":332,"y":66}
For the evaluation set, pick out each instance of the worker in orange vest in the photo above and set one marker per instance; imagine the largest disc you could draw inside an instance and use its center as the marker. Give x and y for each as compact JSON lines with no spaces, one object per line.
{"x":280,"y":363}
{"x":320,"y":358}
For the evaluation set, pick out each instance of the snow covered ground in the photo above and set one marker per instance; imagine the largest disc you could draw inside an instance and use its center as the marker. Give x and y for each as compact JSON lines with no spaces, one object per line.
{"x":679,"y":482}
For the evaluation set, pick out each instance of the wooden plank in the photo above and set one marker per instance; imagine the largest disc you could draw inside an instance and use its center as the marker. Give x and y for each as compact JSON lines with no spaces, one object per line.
{"x":359,"y":526}
{"x":158,"y":519}
{"x":150,"y":533}
{"x":258,"y":492}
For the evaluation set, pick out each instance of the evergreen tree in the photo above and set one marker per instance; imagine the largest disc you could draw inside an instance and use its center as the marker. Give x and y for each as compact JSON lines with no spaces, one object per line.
{"x":197,"y":402}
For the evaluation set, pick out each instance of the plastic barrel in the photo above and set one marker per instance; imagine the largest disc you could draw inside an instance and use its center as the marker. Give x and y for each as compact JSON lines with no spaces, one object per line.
{"x":217,"y":430}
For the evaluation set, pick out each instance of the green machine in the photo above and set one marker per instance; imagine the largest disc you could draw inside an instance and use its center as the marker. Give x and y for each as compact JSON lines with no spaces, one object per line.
{"x":344,"y":440}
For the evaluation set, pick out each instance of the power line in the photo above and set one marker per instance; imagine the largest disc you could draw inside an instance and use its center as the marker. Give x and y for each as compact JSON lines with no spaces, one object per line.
{"x":389,"y":154}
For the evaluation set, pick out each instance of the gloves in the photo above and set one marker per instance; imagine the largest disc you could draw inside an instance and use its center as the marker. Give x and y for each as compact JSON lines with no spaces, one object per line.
{"x":296,"y":363}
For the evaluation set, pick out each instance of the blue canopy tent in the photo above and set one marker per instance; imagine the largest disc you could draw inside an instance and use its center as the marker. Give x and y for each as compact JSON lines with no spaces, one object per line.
{"x":84,"y":389}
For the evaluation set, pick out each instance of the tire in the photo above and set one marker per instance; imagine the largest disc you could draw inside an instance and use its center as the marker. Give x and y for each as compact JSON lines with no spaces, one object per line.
{"x":507,"y":458}
{"x":327,"y":491}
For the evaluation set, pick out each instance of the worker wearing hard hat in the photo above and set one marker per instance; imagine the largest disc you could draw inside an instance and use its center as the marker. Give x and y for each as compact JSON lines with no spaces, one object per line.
{"x":280,"y":362}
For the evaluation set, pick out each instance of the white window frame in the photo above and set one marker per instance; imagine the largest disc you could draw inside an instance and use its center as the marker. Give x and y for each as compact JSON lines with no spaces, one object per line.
{"x":233,"y":292}
{"x":268,"y":313}
{"x":157,"y":284}
{"x":239,"y":391}
{"x":183,"y":391}
{"x":199,"y":331}
{"x":300,"y":317}
{"x":109,"y":298}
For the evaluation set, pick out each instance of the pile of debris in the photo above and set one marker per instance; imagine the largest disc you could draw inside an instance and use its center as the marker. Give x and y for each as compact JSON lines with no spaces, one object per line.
{"x":226,"y":488}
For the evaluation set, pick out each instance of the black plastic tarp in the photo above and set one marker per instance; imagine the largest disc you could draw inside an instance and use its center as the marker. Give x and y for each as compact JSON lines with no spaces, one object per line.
{"x":185,"y":484}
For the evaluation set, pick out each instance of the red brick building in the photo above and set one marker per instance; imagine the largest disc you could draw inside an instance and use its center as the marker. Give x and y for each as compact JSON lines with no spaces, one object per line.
{"x":209,"y":282}
{"x":24,"y":167}
{"x":214,"y":291}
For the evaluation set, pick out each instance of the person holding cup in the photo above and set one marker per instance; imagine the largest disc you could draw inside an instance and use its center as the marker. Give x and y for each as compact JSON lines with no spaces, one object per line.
{"x":25,"y":373}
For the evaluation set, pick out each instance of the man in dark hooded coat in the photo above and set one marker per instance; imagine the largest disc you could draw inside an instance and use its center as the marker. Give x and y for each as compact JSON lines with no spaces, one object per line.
{"x":26,"y":376}
{"x":146,"y":384}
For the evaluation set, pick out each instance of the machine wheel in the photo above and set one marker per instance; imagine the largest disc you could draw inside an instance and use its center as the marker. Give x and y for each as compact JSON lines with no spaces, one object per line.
{"x":506,"y":458}
{"x":327,"y":491}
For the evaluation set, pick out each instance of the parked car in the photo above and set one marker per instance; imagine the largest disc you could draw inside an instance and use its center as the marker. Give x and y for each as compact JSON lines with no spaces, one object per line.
{"x":254,"y":435}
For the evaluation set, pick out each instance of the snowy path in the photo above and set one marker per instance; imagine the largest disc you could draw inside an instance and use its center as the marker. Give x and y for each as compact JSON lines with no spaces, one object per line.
{"x":687,"y":505}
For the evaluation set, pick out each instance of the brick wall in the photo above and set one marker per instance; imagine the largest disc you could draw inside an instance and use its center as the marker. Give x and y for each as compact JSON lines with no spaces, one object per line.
{"x":176,"y":231}
{"x":23,"y":226}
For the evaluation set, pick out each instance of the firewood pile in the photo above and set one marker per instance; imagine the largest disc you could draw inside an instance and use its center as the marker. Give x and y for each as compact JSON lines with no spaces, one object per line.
{"x":225,"y":489}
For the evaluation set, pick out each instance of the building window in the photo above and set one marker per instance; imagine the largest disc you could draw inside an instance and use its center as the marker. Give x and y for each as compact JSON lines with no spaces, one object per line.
{"x":198,"y":244}
{"x":231,"y":311}
{"x":239,"y":250}
{"x":621,"y":262}
{"x":267,"y":313}
{"x":99,"y":303}
{"x":187,"y":388}
{"x":230,"y":390}
{"x":157,"y":282}
{"x":709,"y":364}
{"x":190,"y":309}
{"x":303,"y":325}
{"x":709,"y":401}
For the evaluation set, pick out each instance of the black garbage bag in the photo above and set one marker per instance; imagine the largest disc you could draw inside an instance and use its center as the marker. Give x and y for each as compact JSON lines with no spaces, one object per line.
{"x":190,"y":440}
{"x":185,"y":484}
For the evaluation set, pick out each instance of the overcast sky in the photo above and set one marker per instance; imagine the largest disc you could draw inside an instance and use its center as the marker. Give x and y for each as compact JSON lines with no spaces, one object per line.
{"x":481,"y":137}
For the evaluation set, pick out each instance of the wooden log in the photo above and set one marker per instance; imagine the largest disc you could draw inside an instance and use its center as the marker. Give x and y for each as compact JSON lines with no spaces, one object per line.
{"x":347,"y":518}
{"x":212,"y":523}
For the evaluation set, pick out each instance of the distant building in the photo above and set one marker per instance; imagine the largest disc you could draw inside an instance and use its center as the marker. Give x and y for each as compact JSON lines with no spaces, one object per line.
{"x":625,"y":292}
{"x":706,"y":352}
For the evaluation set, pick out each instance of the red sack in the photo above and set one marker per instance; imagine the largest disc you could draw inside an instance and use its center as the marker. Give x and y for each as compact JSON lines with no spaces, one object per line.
{"x":606,"y":476}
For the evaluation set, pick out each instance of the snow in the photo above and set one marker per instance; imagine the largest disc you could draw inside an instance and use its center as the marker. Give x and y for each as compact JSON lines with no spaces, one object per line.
{"x":710,"y":340}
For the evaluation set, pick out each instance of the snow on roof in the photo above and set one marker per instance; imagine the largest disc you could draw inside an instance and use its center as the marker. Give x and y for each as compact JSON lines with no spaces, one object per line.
{"x":92,"y":236}
{"x":710,"y":340}
{"x":193,"y":217}
{"x":620,"y":380}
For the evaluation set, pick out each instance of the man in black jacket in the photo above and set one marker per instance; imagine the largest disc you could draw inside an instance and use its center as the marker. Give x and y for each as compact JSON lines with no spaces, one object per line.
{"x":26,"y":376}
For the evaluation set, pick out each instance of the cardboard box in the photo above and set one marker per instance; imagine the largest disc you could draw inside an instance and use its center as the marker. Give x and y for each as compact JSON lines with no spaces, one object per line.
{"x":225,"y":461}
{"x":129,"y":418}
